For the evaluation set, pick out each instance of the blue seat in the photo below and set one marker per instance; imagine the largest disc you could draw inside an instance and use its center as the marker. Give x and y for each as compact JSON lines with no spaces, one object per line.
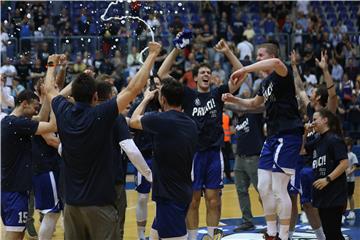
{"x":331,"y":16}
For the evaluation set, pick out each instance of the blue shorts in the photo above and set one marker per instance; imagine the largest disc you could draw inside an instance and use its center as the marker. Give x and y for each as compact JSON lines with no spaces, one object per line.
{"x":294,"y":186}
{"x":306,"y":180}
{"x":170,"y":219}
{"x":142,"y":185}
{"x":208,"y":170}
{"x":46,"y":186}
{"x":280,"y":153}
{"x":14,"y":210}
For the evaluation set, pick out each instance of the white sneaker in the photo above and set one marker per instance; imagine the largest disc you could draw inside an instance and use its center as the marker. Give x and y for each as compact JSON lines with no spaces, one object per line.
{"x":303,"y":218}
{"x":351,"y":215}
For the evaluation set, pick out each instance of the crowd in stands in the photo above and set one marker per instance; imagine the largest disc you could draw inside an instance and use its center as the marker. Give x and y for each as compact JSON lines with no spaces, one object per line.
{"x":44,"y":28}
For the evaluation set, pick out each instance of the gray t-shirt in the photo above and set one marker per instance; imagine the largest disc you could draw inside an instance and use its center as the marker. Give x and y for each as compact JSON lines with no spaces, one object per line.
{"x":352,"y":161}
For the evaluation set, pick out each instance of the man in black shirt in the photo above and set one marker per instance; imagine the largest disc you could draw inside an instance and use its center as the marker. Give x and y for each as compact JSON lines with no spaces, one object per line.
{"x":86,"y":136}
{"x":175,"y":139}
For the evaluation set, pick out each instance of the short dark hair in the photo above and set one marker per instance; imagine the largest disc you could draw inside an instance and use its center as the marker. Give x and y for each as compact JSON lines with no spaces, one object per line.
{"x":83,"y":88}
{"x":25,"y":95}
{"x":322,"y":91}
{"x":104,"y":90}
{"x":195,"y":70}
{"x":173,"y":91}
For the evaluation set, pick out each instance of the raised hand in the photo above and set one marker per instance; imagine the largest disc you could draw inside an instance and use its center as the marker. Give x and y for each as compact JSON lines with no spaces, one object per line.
{"x":149,"y":95}
{"x":63,"y":60}
{"x":323,"y":63}
{"x":238,"y":76}
{"x":154,"y":48}
{"x":54,"y":59}
{"x":222,"y":46}
{"x":293,"y":58}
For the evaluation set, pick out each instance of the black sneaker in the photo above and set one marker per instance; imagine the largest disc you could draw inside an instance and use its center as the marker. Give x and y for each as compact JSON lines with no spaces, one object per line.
{"x":245,"y":226}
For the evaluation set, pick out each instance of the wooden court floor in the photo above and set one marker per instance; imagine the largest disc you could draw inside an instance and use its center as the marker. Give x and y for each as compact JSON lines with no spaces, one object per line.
{"x":230,"y":209}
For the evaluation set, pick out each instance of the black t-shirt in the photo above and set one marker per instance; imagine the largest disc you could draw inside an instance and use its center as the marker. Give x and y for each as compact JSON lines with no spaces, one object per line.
{"x":249,"y":129}
{"x":23,"y":71}
{"x":121,"y":133}
{"x":16,"y":134}
{"x":282,"y":112}
{"x":175,"y":138}
{"x":206,"y":110}
{"x":328,"y":151}
{"x":86,"y":134}
{"x":45,"y":158}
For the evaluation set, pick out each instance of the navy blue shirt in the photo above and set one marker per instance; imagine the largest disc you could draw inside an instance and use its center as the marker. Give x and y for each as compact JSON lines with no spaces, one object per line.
{"x":282,"y":112}
{"x":249,"y":129}
{"x":121,"y":133}
{"x":206,"y":110}
{"x":175,"y":139}
{"x":328,"y":151}
{"x":16,"y":134}
{"x":86,"y":134}
{"x":144,"y":140}
{"x":45,"y":158}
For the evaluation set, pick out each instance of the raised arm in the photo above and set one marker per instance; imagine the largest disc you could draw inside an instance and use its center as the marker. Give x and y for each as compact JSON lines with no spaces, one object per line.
{"x":222,"y":47}
{"x":332,"y":102}
{"x":135,"y":120}
{"x":274,"y":64}
{"x":165,"y":67}
{"x":60,"y":77}
{"x":250,"y":104}
{"x":140,"y":78}
{"x":50,"y":85}
{"x":299,"y":85}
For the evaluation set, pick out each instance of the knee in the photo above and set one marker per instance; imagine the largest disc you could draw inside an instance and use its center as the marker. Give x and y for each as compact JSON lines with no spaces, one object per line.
{"x":264,"y":188}
{"x":195,"y":203}
{"x":213,"y":203}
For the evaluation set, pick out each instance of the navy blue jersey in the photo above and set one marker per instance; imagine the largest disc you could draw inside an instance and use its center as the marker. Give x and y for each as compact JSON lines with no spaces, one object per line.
{"x":175,"y":139}
{"x":45,"y":158}
{"x":143,"y":140}
{"x":249,"y":129}
{"x":328,"y":151}
{"x":282,"y":112}
{"x":121,"y":132}
{"x":206,"y":109}
{"x":16,"y":134}
{"x":86,"y":134}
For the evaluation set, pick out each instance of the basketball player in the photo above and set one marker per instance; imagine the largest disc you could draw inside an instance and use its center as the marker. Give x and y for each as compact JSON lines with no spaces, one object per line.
{"x":204,"y":105}
{"x":284,"y":135}
{"x":175,"y":138}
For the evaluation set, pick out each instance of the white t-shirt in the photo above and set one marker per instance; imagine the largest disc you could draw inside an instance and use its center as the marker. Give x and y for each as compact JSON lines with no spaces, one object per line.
{"x":8,"y":69}
{"x":246,"y":49}
{"x":352,"y":161}
{"x":3,"y":37}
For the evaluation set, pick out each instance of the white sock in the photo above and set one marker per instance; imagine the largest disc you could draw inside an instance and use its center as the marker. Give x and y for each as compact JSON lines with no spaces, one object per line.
{"x":141,"y":232}
{"x":48,"y":225}
{"x":291,"y":234}
{"x":320,"y":233}
{"x":211,"y":231}
{"x":284,"y":231}
{"x":192,"y":234}
{"x":271,"y":228}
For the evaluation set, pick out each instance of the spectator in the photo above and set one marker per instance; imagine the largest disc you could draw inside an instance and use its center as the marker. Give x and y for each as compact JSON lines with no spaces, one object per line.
{"x":350,"y":177}
{"x":249,"y":32}
{"x":219,"y":72}
{"x":237,"y":27}
{"x":245,"y":48}
{"x":133,"y":61}
{"x":310,"y":80}
{"x":176,"y":26}
{"x":98,"y":61}
{"x":335,"y":36}
{"x":269,"y":24}
{"x":8,"y":71}
{"x":47,"y":28}
{"x":44,"y":53}
{"x":106,"y":67}
{"x":4,"y":38}
{"x":87,"y":60}
{"x":17,"y":87}
{"x":298,"y":37}
{"x":37,"y":71}
{"x":7,"y":100}
{"x":337,"y":71}
{"x":23,"y":71}
{"x":79,"y":66}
